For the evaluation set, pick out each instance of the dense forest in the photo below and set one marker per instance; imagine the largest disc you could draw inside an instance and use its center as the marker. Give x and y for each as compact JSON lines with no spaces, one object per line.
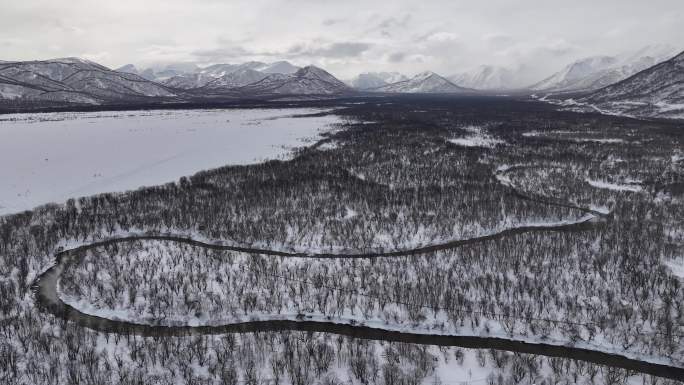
{"x":399,"y":174}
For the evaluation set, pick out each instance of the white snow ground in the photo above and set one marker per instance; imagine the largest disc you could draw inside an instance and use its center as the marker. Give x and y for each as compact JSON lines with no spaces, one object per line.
{"x":613,"y":186}
{"x":478,"y":138}
{"x":53,"y":157}
{"x":676,"y":266}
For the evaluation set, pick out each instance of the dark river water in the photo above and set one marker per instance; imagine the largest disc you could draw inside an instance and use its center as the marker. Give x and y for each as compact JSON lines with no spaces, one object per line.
{"x":45,"y":288}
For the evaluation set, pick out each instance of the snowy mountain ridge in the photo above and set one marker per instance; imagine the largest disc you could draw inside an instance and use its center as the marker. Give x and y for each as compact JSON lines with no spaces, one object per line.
{"x":657,"y":92}
{"x":487,"y":77}
{"x":309,"y":80}
{"x":424,"y":82}
{"x":78,"y":81}
{"x":596,"y":72}
{"x":368,"y":80}
{"x":189,"y":76}
{"x":239,"y":78}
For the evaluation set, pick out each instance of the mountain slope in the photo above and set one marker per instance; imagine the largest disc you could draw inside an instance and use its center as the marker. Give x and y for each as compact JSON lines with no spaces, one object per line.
{"x":239,"y":78}
{"x":486,"y":78}
{"x":279,"y":67}
{"x":73,"y":80}
{"x":600,"y":71}
{"x":370,"y":80}
{"x":426,"y":82}
{"x":309,"y":80}
{"x":76,"y":81}
{"x":201,"y":77}
{"x":234,"y":75}
{"x":173,"y":69}
{"x":188,"y":81}
{"x":655,"y":92}
{"x":129,"y":69}
{"x":573,"y":75}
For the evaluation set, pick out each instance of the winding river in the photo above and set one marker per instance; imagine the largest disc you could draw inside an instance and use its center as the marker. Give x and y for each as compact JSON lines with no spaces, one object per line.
{"x":45,"y":289}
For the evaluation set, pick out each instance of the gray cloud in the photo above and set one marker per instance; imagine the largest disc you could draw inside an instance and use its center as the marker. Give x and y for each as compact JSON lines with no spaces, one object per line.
{"x":388,"y":26}
{"x":394,"y":22}
{"x":496,"y":40}
{"x":347,"y":37}
{"x":396,"y":57}
{"x":329,"y":22}
{"x":334,"y":50}
{"x":222,"y":53}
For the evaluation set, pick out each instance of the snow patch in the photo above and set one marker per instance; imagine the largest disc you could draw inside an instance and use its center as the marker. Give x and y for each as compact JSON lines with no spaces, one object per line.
{"x":613,"y":186}
{"x":479,"y":138}
{"x":676,"y":266}
{"x":598,"y":140}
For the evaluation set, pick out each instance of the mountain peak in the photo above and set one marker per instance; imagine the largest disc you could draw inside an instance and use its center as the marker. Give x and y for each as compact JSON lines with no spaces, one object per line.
{"x":238,"y":78}
{"x":311,"y":71}
{"x":128,"y":68}
{"x":424,"y":82}
{"x":77,"y":81}
{"x":73,"y":59}
{"x":653,"y":92}
{"x":309,"y":80}
{"x":425,"y":75}
{"x":369,"y":80}
{"x":596,"y":72}
{"x":279,"y":67}
{"x":488,"y":77}
{"x":659,"y":52}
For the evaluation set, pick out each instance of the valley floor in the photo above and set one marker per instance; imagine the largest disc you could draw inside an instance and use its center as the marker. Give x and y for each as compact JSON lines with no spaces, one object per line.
{"x":596,"y":203}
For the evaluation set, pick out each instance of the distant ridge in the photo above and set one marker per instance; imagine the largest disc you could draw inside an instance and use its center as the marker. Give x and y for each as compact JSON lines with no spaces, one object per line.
{"x":74,"y":81}
{"x":425,"y":82}
{"x":654,"y":92}
{"x":309,"y":80}
{"x":186,"y":76}
{"x":487,"y":77}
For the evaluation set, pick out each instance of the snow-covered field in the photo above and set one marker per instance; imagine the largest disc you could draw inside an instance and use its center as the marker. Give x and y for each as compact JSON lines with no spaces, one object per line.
{"x":53,"y":157}
{"x":614,"y":186}
{"x":478,"y":138}
{"x":560,"y":135}
{"x":676,"y":266}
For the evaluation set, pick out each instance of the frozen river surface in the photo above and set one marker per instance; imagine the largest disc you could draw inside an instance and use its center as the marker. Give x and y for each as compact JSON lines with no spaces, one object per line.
{"x":53,"y":157}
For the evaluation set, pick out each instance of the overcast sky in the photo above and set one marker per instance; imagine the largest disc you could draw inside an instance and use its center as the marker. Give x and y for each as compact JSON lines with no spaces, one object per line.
{"x":343,"y":36}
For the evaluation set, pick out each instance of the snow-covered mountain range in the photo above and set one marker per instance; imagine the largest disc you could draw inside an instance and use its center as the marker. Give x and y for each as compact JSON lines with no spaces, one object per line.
{"x":239,"y":78}
{"x":655,"y":92}
{"x":189,"y":75}
{"x":424,"y":82}
{"x":599,"y":71}
{"x":309,"y":80}
{"x":487,"y":77}
{"x":626,"y":84}
{"x":279,"y":67}
{"x":368,"y":80}
{"x":74,"y":80}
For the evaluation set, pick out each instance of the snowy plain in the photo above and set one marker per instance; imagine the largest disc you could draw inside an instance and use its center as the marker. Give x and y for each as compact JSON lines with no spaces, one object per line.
{"x":53,"y":157}
{"x":613,"y":186}
{"x":478,"y":138}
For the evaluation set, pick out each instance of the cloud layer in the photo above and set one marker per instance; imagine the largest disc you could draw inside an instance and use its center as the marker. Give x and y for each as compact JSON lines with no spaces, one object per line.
{"x":537,"y":36}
